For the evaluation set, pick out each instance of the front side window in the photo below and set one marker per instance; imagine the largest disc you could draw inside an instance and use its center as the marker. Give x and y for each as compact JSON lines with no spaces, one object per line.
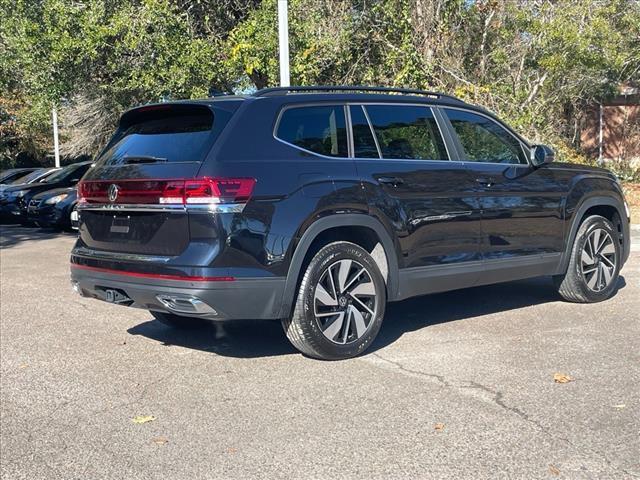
{"x":483,"y":140}
{"x":320,"y":129}
{"x":407,"y":132}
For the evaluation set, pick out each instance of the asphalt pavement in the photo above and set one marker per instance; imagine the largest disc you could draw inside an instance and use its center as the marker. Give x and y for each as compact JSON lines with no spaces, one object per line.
{"x":458,"y":385}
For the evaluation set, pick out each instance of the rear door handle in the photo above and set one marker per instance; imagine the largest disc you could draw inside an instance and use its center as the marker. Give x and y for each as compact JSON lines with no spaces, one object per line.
{"x":395,"y":181}
{"x":485,"y":182}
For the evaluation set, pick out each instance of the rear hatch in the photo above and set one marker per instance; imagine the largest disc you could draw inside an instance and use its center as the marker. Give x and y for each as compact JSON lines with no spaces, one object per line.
{"x":134,"y":199}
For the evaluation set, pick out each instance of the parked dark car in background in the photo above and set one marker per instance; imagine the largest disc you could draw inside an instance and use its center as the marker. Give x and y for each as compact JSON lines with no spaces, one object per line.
{"x":38,"y":175}
{"x":319,"y":205}
{"x":14,"y":201}
{"x":8,"y":176}
{"x":53,"y":208}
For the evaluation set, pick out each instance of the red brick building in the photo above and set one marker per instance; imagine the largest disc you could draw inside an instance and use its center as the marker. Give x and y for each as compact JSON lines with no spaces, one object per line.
{"x":612,"y":129}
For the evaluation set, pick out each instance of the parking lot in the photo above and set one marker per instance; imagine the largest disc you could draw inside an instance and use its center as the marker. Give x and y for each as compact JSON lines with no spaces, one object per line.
{"x":457,"y":385}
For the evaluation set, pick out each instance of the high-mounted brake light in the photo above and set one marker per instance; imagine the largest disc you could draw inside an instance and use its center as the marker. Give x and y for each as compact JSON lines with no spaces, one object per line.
{"x":200,"y":191}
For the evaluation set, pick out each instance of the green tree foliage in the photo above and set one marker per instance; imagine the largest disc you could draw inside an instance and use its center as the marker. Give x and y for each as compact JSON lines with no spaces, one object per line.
{"x":537,"y":63}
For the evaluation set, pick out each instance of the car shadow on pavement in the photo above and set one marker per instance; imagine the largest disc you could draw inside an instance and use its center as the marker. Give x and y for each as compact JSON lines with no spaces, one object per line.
{"x":260,"y":338}
{"x":236,"y":338}
{"x":12,"y":235}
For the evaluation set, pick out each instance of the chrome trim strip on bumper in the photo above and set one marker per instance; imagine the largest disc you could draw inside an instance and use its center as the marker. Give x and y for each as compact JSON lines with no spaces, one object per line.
{"x":195,"y":208}
{"x":133,"y":257}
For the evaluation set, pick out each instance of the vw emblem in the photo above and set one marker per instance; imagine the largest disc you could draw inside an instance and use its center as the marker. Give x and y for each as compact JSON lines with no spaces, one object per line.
{"x":112,"y":192}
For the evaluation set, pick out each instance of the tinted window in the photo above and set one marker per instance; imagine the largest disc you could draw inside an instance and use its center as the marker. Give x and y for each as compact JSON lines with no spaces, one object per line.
{"x":483,"y":140}
{"x":67,"y":173}
{"x":182,"y":136}
{"x":407,"y":132}
{"x":79,"y":172}
{"x":60,"y":174}
{"x":28,"y":177}
{"x":320,"y":129}
{"x":364,"y":145}
{"x":10,"y":176}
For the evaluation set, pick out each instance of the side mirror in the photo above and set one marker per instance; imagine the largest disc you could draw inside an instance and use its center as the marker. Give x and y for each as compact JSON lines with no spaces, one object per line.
{"x":541,"y":154}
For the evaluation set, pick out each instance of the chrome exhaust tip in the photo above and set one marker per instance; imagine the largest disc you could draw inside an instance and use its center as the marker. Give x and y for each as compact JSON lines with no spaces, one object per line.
{"x":185,"y":304}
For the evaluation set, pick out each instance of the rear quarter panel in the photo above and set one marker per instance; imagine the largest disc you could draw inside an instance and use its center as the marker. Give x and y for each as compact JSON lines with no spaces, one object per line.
{"x":294,"y":188}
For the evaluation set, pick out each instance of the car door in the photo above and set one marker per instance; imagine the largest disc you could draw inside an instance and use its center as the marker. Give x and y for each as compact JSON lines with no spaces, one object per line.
{"x":423,"y":196}
{"x":521,"y":204}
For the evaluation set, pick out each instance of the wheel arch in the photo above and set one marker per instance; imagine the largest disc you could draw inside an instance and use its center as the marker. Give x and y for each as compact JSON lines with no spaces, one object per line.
{"x":324,"y":225}
{"x":594,"y":204}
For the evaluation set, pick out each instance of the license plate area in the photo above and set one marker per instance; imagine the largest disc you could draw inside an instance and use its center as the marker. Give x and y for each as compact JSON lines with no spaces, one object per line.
{"x":120,"y":224}
{"x":148,"y":233}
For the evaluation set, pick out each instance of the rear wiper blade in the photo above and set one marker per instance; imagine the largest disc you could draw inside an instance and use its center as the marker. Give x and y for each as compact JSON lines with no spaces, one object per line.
{"x":143,"y":159}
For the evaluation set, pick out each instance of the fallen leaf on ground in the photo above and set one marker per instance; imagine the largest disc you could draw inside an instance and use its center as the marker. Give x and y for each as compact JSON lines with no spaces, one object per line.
{"x":160,"y":440}
{"x":143,"y":419}
{"x":24,"y":365}
{"x":554,"y":470}
{"x":439,"y":427}
{"x":562,"y":378}
{"x":232,"y":450}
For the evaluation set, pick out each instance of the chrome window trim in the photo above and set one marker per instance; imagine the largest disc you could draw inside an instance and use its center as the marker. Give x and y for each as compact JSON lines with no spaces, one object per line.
{"x":523,"y":146}
{"x":346,"y":104}
{"x":350,"y":141}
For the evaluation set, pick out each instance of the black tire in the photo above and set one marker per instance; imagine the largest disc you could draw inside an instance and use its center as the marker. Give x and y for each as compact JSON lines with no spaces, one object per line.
{"x":179,"y":322}
{"x":305,"y":331}
{"x":573,"y":286}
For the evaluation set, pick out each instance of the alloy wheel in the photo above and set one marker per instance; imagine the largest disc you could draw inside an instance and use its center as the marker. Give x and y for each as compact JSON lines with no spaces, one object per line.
{"x":598,"y":260}
{"x":345,"y":301}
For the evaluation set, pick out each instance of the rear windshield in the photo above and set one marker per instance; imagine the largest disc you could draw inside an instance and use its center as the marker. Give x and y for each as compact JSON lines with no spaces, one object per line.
{"x":162,"y":135}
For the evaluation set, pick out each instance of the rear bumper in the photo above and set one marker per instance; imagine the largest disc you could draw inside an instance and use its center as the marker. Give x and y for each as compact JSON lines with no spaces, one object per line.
{"x":242,"y":298}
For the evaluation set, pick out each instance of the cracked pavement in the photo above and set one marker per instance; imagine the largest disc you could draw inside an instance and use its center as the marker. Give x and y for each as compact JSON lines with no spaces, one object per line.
{"x":239,"y":402}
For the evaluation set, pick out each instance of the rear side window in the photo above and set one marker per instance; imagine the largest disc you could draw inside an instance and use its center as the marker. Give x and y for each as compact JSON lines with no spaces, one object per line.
{"x":319,"y":129}
{"x":483,"y":140}
{"x":407,"y":132}
{"x":163,"y":134}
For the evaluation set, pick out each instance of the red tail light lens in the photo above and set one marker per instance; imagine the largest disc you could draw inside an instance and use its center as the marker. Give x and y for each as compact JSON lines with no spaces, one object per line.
{"x":218,"y":190}
{"x":167,"y":192}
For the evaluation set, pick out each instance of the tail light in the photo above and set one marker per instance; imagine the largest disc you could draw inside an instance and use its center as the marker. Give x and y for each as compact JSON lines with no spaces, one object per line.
{"x":201,"y":191}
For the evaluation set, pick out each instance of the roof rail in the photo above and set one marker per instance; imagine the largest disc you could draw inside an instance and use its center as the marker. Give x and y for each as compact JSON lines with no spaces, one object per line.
{"x":266,"y":92}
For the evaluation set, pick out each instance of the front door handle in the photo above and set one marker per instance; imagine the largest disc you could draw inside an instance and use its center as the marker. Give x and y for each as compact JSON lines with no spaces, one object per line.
{"x":485,"y":182}
{"x":395,"y":181}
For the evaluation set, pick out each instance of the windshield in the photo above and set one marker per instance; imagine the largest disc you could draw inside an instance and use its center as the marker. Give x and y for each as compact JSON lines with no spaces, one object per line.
{"x":60,"y":174}
{"x":28,"y":178}
{"x":9,"y":176}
